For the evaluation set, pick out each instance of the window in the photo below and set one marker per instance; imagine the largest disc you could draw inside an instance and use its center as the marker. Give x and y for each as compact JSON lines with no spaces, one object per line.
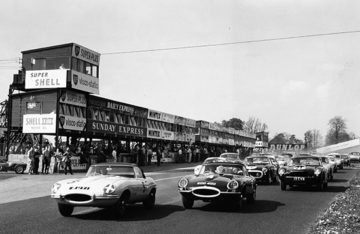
{"x":40,"y":64}
{"x":88,"y":68}
{"x":58,"y":63}
{"x":94,"y":71}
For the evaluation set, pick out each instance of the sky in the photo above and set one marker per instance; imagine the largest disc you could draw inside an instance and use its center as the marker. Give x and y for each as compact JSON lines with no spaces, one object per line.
{"x":291,"y":85}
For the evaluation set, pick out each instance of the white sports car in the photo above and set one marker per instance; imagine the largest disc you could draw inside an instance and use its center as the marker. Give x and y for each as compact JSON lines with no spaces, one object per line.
{"x":105,"y":185}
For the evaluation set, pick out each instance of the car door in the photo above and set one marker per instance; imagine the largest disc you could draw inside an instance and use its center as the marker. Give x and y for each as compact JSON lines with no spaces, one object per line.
{"x":142,"y":187}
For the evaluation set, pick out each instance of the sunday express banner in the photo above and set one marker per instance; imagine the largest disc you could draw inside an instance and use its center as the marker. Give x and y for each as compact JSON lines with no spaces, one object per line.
{"x":115,"y":129}
{"x":45,"y":79}
{"x":39,"y":123}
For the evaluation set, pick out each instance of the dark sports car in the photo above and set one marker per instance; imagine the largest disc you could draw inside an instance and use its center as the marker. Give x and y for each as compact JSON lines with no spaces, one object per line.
{"x":262,"y":168}
{"x":218,"y":181}
{"x":304,"y":170}
{"x":18,"y":167}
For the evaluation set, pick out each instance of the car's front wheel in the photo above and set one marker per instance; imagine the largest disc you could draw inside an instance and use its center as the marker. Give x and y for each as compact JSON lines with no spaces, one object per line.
{"x":149,"y":203}
{"x":250,"y":198}
{"x":65,"y":210}
{"x":187,"y":202}
{"x":120,"y":207}
{"x":19,"y":169}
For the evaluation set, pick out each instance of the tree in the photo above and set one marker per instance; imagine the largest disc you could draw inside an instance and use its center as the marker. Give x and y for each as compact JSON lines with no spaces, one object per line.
{"x":337,"y":132}
{"x":313,"y":138}
{"x":233,"y":123}
{"x":254,"y":125}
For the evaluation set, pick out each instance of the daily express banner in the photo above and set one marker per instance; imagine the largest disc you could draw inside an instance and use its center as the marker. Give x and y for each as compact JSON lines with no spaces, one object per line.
{"x":45,"y":79}
{"x":84,"y":82}
{"x":39,"y":123}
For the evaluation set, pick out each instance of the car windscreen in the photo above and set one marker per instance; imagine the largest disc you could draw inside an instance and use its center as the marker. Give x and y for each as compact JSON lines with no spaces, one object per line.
{"x":223,"y":169}
{"x":229,"y":156}
{"x":306,"y":161}
{"x":257,"y":160}
{"x":125,"y":171}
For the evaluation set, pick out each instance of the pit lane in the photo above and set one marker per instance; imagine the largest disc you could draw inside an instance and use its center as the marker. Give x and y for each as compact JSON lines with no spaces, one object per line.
{"x":274,"y":211}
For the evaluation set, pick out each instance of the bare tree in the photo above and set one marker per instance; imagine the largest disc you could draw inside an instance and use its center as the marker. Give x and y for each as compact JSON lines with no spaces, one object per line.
{"x":337,"y":132}
{"x":254,"y":125}
{"x":313,"y":138}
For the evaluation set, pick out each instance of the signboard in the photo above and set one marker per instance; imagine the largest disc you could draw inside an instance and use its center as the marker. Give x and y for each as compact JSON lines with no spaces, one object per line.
{"x":84,"y":82}
{"x":160,"y":134}
{"x":73,"y":98}
{"x":39,"y":123}
{"x":155,"y":115}
{"x":167,"y":117}
{"x":115,"y":129}
{"x":85,"y":54}
{"x":45,"y":79}
{"x":72,"y":123}
{"x":282,"y":147}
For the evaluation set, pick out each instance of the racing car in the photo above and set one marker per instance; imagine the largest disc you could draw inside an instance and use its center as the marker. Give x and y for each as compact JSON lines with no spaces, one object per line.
{"x":218,"y":181}
{"x":105,"y":185}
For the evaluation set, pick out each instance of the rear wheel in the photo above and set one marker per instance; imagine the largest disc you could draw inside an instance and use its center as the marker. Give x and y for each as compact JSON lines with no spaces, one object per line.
{"x":187,"y":202}
{"x":149,"y":203}
{"x":65,"y":210}
{"x":19,"y":169}
{"x":283,"y":185}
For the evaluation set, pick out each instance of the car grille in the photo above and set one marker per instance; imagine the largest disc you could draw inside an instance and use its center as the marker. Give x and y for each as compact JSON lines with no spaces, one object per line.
{"x":206,"y":192}
{"x":78,"y":197}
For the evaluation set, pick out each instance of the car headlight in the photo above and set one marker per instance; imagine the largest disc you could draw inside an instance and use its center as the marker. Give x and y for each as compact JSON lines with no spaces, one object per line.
{"x":264,"y":170}
{"x":108,"y":189}
{"x":282,"y":171}
{"x":317,"y":172}
{"x":183,"y":182}
{"x":233,"y":184}
{"x":55,"y":187}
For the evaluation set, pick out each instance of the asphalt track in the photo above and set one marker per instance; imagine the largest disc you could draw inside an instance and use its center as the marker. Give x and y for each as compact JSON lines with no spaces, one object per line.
{"x":275,"y":211}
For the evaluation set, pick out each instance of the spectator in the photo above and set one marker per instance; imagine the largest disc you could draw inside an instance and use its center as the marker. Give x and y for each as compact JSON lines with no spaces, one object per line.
{"x":114,"y":154}
{"x":36,"y":160}
{"x":31,"y":159}
{"x":149,"y":155}
{"x":189,"y":154}
{"x":46,"y":161}
{"x":58,"y":159}
{"x":158,"y":156}
{"x":67,"y":161}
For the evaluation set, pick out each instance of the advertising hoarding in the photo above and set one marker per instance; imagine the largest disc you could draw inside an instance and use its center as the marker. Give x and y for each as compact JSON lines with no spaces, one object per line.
{"x":85,"y":54}
{"x":39,"y":123}
{"x":72,"y":123}
{"x":45,"y":79}
{"x":115,"y":129}
{"x":84,"y":82}
{"x":73,"y":98}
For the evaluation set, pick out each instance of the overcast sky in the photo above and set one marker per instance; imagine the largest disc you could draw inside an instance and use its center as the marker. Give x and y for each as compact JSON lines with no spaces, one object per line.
{"x":292,"y":85}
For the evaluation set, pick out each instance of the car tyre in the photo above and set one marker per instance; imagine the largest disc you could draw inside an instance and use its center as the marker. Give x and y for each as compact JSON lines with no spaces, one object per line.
{"x":65,"y":210}
{"x":187,"y":202}
{"x":19,"y":169}
{"x":120,"y":207}
{"x":282,"y":185}
{"x":149,"y":203}
{"x":250,"y":198}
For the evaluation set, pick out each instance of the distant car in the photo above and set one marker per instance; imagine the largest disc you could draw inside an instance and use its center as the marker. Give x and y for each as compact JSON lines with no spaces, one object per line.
{"x":18,"y":167}
{"x":339,"y":161}
{"x":214,"y":159}
{"x":218,"y":181}
{"x":304,"y":170}
{"x":230,"y":157}
{"x":332,"y":161}
{"x":354,"y":156}
{"x":329,"y":166}
{"x":346,"y":159}
{"x":282,"y":160}
{"x":105,"y":185}
{"x":262,"y":168}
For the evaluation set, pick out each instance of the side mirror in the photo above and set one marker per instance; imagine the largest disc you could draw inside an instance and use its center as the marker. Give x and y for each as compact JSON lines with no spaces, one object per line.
{"x":197,"y":170}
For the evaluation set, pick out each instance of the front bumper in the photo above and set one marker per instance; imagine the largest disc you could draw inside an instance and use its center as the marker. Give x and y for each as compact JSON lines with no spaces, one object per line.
{"x":87,"y":200}
{"x":207,"y":193}
{"x":301,"y":180}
